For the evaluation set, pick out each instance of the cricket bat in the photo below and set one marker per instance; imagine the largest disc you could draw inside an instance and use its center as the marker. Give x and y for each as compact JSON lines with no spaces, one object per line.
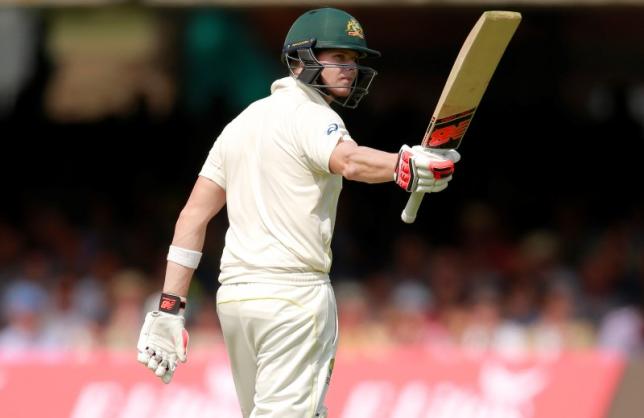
{"x":465,"y":86}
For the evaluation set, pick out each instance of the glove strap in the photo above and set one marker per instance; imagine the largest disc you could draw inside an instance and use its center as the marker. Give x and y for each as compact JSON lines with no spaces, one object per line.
{"x":172,"y":304}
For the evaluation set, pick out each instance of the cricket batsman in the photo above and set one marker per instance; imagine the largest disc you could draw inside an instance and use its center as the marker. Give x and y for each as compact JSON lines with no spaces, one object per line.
{"x":279,"y":167}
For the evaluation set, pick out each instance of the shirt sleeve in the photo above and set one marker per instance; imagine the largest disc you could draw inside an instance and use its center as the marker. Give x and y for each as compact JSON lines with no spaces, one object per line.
{"x":214,"y":167}
{"x":318,"y":131}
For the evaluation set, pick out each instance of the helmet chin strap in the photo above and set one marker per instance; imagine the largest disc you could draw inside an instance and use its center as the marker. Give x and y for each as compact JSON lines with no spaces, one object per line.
{"x":310,"y":75}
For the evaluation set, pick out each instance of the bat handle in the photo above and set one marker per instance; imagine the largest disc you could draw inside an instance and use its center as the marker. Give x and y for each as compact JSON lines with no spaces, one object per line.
{"x":408,"y":214}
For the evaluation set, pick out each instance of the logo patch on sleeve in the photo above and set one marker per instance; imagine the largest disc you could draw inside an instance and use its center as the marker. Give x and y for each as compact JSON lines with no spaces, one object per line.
{"x":332,"y":128}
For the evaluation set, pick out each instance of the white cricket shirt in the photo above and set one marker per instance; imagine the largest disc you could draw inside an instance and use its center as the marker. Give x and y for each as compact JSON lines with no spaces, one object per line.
{"x":273,"y":162}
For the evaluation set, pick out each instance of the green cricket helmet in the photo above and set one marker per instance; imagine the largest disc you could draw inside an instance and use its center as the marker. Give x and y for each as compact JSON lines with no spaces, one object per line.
{"x":328,"y":28}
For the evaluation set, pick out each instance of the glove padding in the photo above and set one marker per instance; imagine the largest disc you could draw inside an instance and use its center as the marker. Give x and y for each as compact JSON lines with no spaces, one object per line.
{"x":424,"y":170}
{"x":163,"y":341}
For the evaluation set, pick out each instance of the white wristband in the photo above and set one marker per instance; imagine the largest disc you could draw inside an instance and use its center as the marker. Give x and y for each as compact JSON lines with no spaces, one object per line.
{"x":184,"y":257}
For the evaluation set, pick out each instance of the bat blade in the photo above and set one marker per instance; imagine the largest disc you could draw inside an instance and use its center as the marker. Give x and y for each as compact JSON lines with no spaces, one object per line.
{"x":465,"y":86}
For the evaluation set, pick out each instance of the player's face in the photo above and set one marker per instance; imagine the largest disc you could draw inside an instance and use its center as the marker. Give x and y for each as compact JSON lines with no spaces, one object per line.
{"x":339,"y":79}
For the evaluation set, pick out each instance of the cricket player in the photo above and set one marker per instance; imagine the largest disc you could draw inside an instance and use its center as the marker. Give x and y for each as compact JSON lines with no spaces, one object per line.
{"x":278,"y":167}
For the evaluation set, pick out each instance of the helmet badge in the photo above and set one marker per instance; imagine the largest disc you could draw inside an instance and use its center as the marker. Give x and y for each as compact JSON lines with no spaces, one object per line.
{"x":354,"y":29}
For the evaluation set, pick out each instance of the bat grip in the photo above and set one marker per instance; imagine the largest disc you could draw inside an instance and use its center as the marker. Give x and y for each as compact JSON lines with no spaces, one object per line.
{"x":408,"y":214}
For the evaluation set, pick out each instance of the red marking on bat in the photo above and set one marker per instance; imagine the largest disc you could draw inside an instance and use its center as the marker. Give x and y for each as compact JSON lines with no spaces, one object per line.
{"x":448,"y":133}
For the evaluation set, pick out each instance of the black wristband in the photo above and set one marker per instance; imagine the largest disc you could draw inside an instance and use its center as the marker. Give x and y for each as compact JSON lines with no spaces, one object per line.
{"x":171,"y":304}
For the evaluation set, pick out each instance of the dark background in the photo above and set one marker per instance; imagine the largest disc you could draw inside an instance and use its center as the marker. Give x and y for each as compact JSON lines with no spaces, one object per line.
{"x":554,"y":142}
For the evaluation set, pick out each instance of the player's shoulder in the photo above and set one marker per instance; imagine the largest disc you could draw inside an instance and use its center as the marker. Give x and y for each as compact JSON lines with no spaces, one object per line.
{"x":252,"y":111}
{"x":310,"y":109}
{"x":315,"y":114}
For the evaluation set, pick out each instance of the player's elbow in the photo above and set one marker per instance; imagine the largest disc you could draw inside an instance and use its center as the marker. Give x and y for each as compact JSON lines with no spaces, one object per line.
{"x":351,"y":171}
{"x":351,"y":167}
{"x":193,"y":217}
{"x":343,"y":160}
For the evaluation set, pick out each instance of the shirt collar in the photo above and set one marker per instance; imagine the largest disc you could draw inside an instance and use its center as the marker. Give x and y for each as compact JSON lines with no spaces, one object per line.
{"x":288,"y":83}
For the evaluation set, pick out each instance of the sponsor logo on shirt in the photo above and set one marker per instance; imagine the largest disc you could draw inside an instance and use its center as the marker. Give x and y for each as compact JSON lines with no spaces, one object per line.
{"x":332,"y":128}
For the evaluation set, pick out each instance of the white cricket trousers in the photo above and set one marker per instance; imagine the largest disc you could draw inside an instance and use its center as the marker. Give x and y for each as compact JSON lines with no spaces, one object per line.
{"x":281,"y":342}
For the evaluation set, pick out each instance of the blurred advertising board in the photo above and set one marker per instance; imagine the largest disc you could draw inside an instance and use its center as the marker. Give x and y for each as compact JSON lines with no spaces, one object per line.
{"x":628,"y":401}
{"x":401,"y":383}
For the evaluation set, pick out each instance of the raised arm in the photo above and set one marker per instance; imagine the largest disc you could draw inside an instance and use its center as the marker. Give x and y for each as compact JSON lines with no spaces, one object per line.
{"x":363,"y":164}
{"x":414,"y":169}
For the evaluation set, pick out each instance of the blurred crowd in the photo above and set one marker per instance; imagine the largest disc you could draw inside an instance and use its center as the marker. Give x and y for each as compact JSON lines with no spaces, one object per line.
{"x":65,"y":287}
{"x":84,"y":233}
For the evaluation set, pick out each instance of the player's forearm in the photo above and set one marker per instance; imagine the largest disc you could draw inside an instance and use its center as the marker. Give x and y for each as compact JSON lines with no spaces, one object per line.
{"x":189,"y":234}
{"x":177,"y":279}
{"x":190,"y":229}
{"x":205,"y":201}
{"x":369,"y":165}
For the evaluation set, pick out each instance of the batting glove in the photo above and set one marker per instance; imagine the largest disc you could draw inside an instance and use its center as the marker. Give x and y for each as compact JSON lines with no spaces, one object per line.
{"x":163,"y":340}
{"x":420,"y":169}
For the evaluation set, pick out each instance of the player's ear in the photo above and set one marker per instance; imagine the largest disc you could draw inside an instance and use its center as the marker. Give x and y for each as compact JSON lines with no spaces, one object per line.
{"x":293,"y":63}
{"x":297,"y":67}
